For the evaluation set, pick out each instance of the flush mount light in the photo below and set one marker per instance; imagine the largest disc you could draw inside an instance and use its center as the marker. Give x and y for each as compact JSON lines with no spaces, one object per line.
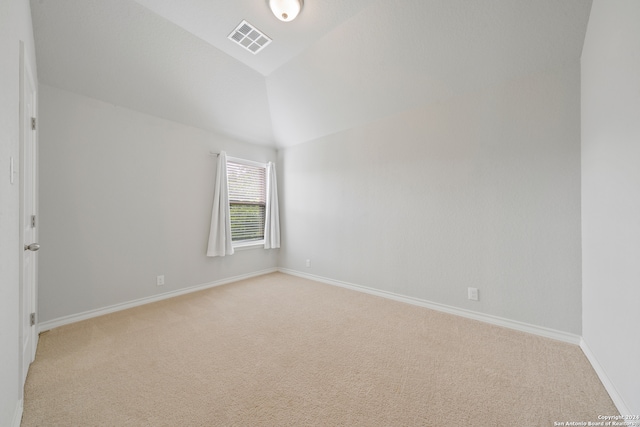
{"x":286,"y":10}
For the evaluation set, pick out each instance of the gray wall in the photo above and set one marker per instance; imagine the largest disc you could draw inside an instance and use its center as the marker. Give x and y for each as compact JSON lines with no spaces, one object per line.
{"x":611,"y":193}
{"x":482,"y":190}
{"x":15,"y":26}
{"x":126,"y":197}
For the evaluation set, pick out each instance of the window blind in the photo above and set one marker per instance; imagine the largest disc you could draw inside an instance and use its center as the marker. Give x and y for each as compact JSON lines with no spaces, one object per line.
{"x":247,"y":200}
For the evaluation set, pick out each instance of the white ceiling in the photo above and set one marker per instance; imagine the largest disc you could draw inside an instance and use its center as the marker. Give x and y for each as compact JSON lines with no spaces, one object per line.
{"x":213,"y":20}
{"x":339,"y":64}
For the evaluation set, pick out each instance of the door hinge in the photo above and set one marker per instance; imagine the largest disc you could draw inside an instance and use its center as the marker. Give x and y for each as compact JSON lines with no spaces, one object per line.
{"x":33,"y":221}
{"x":33,"y":123}
{"x":32,"y":319}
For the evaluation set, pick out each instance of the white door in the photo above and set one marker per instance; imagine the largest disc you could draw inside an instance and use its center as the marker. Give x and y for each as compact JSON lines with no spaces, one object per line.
{"x":28,"y":211}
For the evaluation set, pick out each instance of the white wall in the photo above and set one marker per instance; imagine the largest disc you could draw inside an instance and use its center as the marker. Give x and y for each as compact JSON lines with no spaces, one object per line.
{"x":482,"y":190}
{"x":611,"y":194}
{"x":15,"y":26}
{"x":126,"y":197}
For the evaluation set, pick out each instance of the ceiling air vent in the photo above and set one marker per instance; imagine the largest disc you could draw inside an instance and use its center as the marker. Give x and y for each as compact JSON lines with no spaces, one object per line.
{"x":249,"y":37}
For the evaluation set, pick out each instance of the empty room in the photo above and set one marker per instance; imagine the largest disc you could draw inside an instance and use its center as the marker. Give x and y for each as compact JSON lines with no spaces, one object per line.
{"x":319,"y":212}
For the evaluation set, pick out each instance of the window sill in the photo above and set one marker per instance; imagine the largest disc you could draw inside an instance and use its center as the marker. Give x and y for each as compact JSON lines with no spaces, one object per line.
{"x":257,"y":244}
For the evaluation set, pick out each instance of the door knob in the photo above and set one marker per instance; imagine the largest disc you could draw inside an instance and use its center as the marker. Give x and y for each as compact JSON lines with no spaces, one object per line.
{"x":32,"y":247}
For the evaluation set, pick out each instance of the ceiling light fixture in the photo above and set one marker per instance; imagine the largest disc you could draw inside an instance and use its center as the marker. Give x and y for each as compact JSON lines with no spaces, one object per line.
{"x":286,"y":10}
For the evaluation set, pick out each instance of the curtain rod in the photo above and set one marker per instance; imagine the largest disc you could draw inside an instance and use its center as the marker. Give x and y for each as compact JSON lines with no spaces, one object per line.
{"x":233,"y":159}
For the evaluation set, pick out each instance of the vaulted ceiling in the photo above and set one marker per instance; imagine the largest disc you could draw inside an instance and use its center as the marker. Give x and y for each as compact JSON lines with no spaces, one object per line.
{"x":341,"y":63}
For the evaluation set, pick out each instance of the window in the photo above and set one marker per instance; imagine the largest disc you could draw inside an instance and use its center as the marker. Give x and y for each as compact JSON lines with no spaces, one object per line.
{"x":247,"y":201}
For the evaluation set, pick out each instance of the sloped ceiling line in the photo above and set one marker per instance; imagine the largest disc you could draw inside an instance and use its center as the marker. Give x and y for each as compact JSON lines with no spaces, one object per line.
{"x":338,"y":65}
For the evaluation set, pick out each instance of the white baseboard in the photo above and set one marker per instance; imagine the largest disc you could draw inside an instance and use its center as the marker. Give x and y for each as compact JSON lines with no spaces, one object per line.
{"x":604,"y":379}
{"x":487,"y":318}
{"x":17,"y":414}
{"x":50,"y":324}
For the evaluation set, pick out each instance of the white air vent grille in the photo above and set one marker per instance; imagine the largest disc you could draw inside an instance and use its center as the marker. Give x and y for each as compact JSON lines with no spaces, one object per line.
{"x":249,"y":37}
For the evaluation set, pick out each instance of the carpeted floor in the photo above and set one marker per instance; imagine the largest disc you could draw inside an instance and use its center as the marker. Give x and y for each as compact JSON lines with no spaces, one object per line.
{"x":278,"y":350}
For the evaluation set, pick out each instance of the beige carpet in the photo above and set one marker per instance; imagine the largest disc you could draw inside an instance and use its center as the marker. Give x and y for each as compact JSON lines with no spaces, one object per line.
{"x":278,"y":350}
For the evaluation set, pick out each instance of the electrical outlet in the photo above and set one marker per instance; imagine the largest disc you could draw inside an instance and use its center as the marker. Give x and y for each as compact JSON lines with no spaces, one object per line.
{"x":160,"y":280}
{"x":308,"y":263}
{"x":472,"y":294}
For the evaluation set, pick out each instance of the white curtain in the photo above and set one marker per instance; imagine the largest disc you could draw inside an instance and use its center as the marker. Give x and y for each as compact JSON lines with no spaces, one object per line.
{"x":272,"y":217}
{"x":220,"y":233}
